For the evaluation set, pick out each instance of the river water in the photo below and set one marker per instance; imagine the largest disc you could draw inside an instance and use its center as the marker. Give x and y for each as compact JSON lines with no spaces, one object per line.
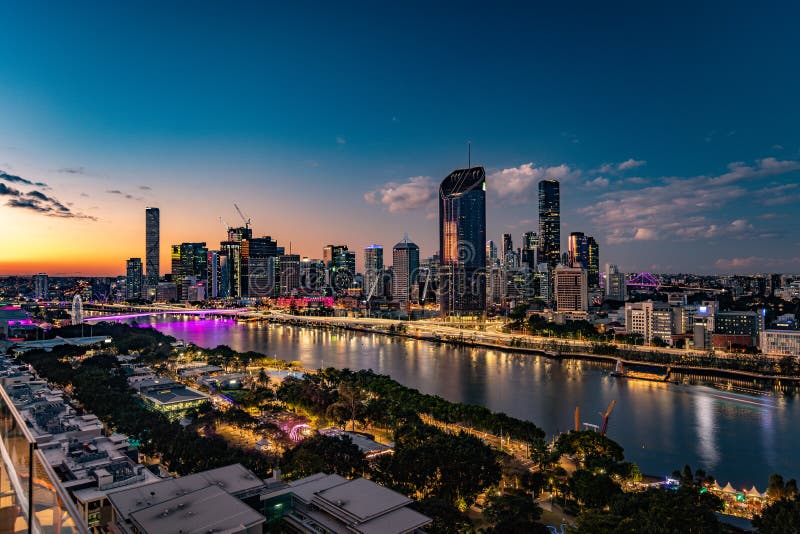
{"x":738,"y":438}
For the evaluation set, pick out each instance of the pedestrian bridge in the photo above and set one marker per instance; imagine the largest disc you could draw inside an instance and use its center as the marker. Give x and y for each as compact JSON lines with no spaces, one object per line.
{"x":152,"y":313}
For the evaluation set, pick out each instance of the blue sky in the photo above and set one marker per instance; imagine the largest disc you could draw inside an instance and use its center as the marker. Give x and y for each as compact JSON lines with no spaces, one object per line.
{"x":672,"y":127}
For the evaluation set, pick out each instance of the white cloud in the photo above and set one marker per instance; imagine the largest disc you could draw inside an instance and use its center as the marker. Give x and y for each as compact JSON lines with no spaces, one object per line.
{"x":518,"y":183}
{"x":685,"y":208}
{"x":630,"y":164}
{"x":416,"y":193}
{"x":340,"y":140}
{"x":597,"y":183}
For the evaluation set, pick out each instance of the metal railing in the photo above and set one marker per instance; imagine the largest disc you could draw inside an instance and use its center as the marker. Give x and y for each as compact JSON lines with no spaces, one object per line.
{"x":32,"y":498}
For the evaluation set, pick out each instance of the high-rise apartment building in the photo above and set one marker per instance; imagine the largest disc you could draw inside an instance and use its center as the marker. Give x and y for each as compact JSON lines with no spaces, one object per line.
{"x":373,"y":271}
{"x":41,"y":286}
{"x":549,"y":222}
{"x":571,"y":291}
{"x":462,"y":237}
{"x":133,"y":279}
{"x":152,"y":221}
{"x":405,"y":268}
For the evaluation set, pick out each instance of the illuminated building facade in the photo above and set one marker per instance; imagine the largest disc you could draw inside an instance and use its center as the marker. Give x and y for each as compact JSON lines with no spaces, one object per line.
{"x":405,"y":268}
{"x":133,"y":279}
{"x":152,"y":245}
{"x":373,"y":271}
{"x":462,"y":241}
{"x":549,"y":222}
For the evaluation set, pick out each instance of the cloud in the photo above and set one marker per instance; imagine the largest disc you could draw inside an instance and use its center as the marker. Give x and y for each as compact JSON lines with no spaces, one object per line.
{"x":36,"y":200}
{"x":10,"y":178}
{"x":683,"y":208}
{"x":517,"y":183}
{"x":630,"y":164}
{"x":8,"y":191}
{"x":145,"y":188}
{"x":645,"y":234}
{"x":340,"y":140}
{"x":777,"y":147}
{"x":617,"y":168}
{"x":72,"y":170}
{"x":597,"y":183}
{"x":418,"y":192}
{"x":85,"y":195}
{"x":120,"y":193}
{"x":751,"y":263}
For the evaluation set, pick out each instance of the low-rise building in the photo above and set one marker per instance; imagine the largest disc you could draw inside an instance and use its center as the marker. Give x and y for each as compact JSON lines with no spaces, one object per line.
{"x":169,"y":397}
{"x":209,"y":501}
{"x":781,"y":342}
{"x":333,"y":504}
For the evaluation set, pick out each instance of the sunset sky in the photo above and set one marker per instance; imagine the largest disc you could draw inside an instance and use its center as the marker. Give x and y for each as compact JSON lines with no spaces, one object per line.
{"x":673,"y":128}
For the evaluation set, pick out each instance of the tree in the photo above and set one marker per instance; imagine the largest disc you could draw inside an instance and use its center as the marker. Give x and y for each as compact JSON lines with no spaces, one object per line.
{"x":446,"y":517}
{"x":594,"y":491}
{"x":323,"y":453}
{"x":514,"y":514}
{"x":656,"y":511}
{"x":781,"y":517}
{"x":593,"y":449}
{"x":351,"y":399}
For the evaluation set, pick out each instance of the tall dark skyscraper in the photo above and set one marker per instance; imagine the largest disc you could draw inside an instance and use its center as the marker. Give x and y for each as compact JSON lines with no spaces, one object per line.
{"x":152,"y":220}
{"x":530,"y":248}
{"x":549,"y":222}
{"x":462,"y":242}
{"x":508,"y":250}
{"x":373,"y":271}
{"x":593,"y":267}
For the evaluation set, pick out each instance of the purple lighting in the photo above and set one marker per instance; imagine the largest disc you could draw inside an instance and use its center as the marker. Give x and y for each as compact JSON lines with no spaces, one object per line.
{"x":202,"y":313}
{"x":644,"y":281}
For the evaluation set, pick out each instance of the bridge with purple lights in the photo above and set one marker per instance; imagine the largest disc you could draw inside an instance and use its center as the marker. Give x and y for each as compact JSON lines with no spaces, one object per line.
{"x":644,"y":281}
{"x":202,"y":313}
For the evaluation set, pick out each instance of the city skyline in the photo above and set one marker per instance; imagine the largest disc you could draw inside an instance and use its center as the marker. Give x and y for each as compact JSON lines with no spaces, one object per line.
{"x":88,"y":139}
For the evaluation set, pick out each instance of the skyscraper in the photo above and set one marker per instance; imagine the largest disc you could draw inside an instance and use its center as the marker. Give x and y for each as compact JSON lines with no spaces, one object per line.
{"x":152,"y":220}
{"x":462,"y":241}
{"x":593,"y":267}
{"x":373,"y":271}
{"x":508,"y":251}
{"x":578,"y":250}
{"x":189,"y":266}
{"x":549,"y":222}
{"x":405,"y":268}
{"x":41,"y":286}
{"x":133,"y":279}
{"x":530,"y":246}
{"x":615,"y":283}
{"x":289,"y":269}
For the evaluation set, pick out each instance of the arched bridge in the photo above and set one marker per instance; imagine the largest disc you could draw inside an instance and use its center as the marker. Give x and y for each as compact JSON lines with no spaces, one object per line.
{"x":127,"y":316}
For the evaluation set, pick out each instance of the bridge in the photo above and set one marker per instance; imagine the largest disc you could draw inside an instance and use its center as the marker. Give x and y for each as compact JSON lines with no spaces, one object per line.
{"x":202,"y":313}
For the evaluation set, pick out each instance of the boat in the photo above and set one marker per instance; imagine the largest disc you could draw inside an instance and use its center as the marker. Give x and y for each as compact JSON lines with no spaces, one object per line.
{"x":641,"y":372}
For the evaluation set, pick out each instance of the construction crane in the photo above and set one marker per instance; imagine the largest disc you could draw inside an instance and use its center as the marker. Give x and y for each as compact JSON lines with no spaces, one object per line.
{"x":223,"y":223}
{"x":607,"y":414}
{"x":246,"y":220}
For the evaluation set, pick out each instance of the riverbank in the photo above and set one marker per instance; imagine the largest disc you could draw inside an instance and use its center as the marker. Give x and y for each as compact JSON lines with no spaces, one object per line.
{"x":558,"y":349}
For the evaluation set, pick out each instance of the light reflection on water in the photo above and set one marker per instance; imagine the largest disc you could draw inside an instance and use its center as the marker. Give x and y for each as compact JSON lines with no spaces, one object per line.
{"x":736,"y":437}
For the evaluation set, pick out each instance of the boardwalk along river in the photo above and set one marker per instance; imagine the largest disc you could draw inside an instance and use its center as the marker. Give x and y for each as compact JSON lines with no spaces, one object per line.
{"x":738,"y":438}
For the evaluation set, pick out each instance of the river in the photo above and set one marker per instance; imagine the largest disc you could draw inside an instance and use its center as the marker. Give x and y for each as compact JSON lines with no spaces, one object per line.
{"x":738,"y":438}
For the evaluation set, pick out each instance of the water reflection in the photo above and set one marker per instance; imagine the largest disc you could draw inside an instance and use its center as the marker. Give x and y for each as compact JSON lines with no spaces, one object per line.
{"x":661,"y":426}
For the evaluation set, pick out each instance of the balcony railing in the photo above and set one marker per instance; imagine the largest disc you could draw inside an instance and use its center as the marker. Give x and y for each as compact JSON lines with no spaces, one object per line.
{"x":32,"y":498}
